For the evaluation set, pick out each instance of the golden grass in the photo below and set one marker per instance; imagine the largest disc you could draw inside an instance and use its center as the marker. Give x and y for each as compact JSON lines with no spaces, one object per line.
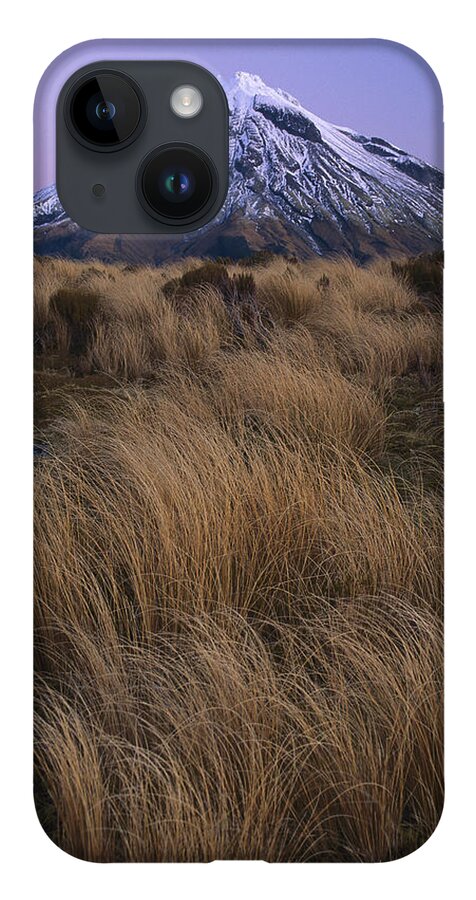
{"x":238,"y":569}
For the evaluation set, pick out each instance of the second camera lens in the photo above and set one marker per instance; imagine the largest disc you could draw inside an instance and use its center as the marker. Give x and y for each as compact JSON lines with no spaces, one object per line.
{"x":177,"y":183}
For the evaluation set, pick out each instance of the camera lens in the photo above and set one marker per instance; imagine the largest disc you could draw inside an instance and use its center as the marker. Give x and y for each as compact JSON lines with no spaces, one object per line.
{"x":176,"y":183}
{"x":176,"y":186}
{"x":105,"y":110}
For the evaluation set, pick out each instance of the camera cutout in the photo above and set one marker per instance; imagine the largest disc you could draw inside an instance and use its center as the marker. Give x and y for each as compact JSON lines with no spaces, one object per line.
{"x":153,"y":135}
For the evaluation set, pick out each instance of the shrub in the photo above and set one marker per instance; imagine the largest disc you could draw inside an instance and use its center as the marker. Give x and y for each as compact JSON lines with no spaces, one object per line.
{"x":240,"y":286}
{"x":425,"y":274}
{"x":79,"y":310}
{"x":210,"y":274}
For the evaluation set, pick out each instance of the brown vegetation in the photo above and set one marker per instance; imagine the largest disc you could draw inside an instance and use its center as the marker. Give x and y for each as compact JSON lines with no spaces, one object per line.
{"x":238,"y":561}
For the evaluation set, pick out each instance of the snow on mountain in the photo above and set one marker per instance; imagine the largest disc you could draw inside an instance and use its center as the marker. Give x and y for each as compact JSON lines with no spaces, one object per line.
{"x":287,"y":159}
{"x":298,"y":184}
{"x":47,"y":209}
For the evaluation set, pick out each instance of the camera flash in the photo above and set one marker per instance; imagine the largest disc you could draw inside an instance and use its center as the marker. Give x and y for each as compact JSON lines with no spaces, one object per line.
{"x":186,"y":101}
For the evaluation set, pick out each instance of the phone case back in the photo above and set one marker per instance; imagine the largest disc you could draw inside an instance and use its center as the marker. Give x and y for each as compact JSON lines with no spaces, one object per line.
{"x":238,"y":476}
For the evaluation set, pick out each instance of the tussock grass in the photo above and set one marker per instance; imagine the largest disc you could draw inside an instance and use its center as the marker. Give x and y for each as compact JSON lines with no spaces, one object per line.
{"x":238,"y":566}
{"x":266,"y":741}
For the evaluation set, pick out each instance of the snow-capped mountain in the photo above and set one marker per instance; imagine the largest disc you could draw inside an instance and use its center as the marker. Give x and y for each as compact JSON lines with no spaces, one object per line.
{"x":298,"y":185}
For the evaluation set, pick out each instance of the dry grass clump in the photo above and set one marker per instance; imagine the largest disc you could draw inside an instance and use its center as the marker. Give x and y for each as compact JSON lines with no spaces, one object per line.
{"x":194,"y":500}
{"x":238,"y":565}
{"x":314,"y":740}
{"x":132,"y":348}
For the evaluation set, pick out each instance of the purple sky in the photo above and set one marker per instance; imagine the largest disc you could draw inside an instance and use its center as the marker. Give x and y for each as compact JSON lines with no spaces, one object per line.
{"x":377,"y":87}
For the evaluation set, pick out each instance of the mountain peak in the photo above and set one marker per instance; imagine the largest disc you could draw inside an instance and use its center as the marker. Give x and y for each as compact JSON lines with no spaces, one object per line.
{"x":249,"y":86}
{"x":248,"y":82}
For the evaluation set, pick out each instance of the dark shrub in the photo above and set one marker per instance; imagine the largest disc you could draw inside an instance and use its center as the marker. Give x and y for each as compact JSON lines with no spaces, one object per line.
{"x":78,"y":309}
{"x":323,"y":283}
{"x":244,"y":286}
{"x":212,"y":274}
{"x":425,"y":274}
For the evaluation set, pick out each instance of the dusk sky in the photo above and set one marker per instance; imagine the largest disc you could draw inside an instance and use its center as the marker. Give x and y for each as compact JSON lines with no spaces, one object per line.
{"x":376,"y":87}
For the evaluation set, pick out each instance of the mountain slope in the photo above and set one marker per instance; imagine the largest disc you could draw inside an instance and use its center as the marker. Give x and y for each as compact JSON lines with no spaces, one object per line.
{"x":298,"y":185}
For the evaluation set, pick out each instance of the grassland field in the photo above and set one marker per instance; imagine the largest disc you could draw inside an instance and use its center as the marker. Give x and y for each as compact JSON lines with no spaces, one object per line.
{"x":238,"y":558}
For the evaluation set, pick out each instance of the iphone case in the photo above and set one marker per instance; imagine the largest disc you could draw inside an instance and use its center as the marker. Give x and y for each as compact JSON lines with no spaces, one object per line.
{"x":238,"y":479}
